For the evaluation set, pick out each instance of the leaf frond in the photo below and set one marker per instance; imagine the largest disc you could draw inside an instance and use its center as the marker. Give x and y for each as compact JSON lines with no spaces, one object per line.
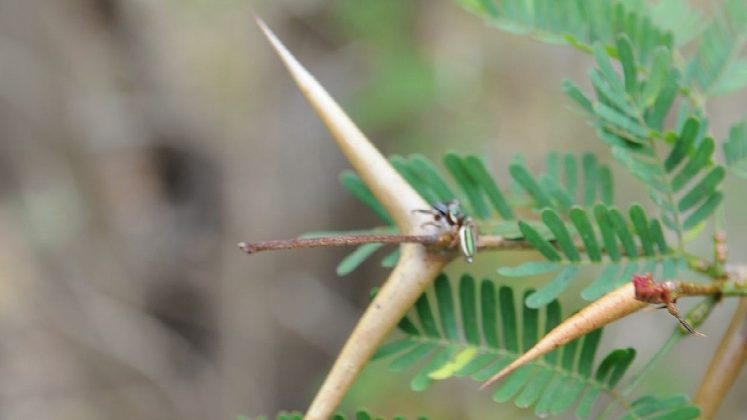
{"x":565,"y":184}
{"x":629,"y":112}
{"x":582,"y":24}
{"x":632,"y":244}
{"x":716,"y":66}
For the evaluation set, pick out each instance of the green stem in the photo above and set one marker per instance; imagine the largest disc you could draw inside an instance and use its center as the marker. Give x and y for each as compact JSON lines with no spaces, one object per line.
{"x":695,"y":318}
{"x":638,"y":378}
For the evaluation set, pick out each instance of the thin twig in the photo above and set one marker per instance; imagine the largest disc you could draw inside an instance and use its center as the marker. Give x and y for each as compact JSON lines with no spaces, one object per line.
{"x":342,"y":240}
{"x":484,"y":243}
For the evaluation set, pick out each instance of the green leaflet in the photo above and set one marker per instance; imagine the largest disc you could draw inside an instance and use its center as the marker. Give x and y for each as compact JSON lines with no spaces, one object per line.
{"x":527,"y":181}
{"x":616,"y":100}
{"x":620,"y":225}
{"x":550,"y":395}
{"x":606,"y":185}
{"x":571,"y":174}
{"x":392,"y":347}
{"x":644,"y":169}
{"x":569,"y":354}
{"x":591,"y":177}
{"x":557,"y":192}
{"x":539,"y":243}
{"x":703,"y":211}
{"x":391,"y":259}
{"x":478,"y":172}
{"x":428,"y":173}
{"x":473,"y":178}
{"x":422,"y":380}
{"x":460,"y":360}
{"x":355,"y":185}
{"x":614,"y":366}
{"x":508,"y":318}
{"x":488,"y":314}
{"x":461,"y":175}
{"x":657,"y":76}
{"x":658,"y":234}
{"x":705,"y":188}
{"x":635,"y":131}
{"x":699,"y":161}
{"x":641,"y":225}
{"x":412,"y":357}
{"x":675,"y":407}
{"x":446,"y":307}
{"x":533,"y":389}
{"x":356,"y":258}
{"x":468,"y":299}
{"x":412,"y":177}
{"x":531,"y":268}
{"x":425,"y":314}
{"x":575,"y":93}
{"x":735,"y":150}
{"x":663,"y":104}
{"x":604,"y":283}
{"x":563,"y":237}
{"x":513,"y":384}
{"x":588,"y":351}
{"x":553,"y":289}
{"x":627,"y":58}
{"x":605,"y":66}
{"x":586,"y":232}
{"x":608,"y":233}
{"x":683,"y":143}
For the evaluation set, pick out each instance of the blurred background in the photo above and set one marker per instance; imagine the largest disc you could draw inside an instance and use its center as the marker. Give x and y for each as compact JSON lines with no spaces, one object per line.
{"x":140,"y":140}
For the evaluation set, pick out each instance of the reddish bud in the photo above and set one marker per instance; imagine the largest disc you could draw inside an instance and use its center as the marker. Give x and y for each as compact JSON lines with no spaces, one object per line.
{"x":647,"y":290}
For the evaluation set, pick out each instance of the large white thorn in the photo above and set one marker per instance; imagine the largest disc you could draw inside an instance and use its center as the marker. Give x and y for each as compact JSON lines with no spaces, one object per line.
{"x":385,"y":182}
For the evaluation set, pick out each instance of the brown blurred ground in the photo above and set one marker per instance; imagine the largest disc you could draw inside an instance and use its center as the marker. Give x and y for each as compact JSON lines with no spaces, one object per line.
{"x":141,"y":140}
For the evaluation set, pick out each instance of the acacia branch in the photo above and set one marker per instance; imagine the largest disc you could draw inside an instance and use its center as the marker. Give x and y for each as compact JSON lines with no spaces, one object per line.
{"x":417,"y":266}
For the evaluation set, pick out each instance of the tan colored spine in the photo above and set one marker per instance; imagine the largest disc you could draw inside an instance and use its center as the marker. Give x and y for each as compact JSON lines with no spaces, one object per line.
{"x":607,"y":309}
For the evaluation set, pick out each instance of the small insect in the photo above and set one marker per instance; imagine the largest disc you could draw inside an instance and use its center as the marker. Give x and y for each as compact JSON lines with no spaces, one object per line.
{"x":452,"y":214}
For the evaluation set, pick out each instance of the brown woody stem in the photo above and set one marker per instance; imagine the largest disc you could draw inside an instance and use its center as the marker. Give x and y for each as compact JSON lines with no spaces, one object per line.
{"x":342,"y":240}
{"x":483,"y":242}
{"x":725,"y":365}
